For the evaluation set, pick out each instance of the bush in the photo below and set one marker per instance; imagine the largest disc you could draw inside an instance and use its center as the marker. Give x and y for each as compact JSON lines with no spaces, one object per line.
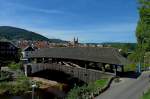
{"x":87,"y":91}
{"x":14,"y":66}
{"x":5,"y":75}
{"x":130,"y":67}
{"x":20,"y":86}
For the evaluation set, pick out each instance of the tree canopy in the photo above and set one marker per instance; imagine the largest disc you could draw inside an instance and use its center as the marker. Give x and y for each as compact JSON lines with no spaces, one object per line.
{"x":143,"y":27}
{"x":142,"y":31}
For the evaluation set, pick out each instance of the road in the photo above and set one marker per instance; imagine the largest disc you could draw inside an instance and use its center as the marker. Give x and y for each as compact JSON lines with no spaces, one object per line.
{"x":128,"y":88}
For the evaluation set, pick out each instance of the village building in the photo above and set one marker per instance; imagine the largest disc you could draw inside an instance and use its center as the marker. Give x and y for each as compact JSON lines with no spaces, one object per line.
{"x":8,"y":51}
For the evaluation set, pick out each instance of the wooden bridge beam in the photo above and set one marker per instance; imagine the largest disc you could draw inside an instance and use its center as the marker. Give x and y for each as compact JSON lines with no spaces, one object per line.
{"x":122,"y":69}
{"x":116,"y":67}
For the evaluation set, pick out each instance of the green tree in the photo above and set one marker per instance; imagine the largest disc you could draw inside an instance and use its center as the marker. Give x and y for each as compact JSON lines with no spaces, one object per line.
{"x":143,"y":27}
{"x":142,"y":31}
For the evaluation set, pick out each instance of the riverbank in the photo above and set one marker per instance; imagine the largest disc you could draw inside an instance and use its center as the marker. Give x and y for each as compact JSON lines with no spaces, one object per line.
{"x":21,"y":85}
{"x":44,"y":83}
{"x":15,"y":87}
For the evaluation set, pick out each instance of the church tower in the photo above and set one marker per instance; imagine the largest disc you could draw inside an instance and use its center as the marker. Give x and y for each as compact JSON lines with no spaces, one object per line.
{"x":75,"y":41}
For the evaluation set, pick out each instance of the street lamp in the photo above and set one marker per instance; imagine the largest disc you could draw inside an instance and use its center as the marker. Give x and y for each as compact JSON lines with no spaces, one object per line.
{"x":33,"y":87}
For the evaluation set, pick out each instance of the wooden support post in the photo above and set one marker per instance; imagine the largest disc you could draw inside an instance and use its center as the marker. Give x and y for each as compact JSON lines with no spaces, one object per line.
{"x":36,"y":60}
{"x":122,"y":68}
{"x":33,"y":61}
{"x":115,"y":70}
{"x":99,"y":66}
{"x":85,"y":75}
{"x":27,"y":70}
{"x":104,"y":69}
{"x":111,"y":68}
{"x":86,"y":64}
{"x":43,"y":60}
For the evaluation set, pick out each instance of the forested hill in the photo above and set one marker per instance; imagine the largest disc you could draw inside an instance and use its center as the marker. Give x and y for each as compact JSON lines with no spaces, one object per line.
{"x":13,"y":33}
{"x":124,"y":46}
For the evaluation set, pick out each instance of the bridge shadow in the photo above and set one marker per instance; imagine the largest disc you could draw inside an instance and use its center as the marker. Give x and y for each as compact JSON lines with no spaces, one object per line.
{"x":129,"y":74}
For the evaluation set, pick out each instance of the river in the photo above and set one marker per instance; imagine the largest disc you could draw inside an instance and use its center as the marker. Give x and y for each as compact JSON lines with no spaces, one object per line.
{"x":39,"y":94}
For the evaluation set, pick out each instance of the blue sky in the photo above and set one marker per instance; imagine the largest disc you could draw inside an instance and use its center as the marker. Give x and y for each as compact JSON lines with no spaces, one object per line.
{"x":89,"y":20}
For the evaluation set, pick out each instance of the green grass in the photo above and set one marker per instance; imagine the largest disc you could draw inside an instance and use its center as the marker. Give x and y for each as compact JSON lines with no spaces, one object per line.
{"x":146,"y":95}
{"x":14,"y":66}
{"x":101,"y":83}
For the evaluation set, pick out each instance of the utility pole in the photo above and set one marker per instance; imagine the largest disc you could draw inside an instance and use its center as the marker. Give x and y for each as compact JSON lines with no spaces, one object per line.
{"x":33,"y":89}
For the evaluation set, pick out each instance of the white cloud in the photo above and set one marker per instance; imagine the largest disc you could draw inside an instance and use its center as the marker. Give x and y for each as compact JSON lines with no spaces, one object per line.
{"x":18,"y":6}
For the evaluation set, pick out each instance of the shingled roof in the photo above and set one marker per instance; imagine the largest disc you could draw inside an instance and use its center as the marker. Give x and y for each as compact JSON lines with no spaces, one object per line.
{"x":102,"y":55}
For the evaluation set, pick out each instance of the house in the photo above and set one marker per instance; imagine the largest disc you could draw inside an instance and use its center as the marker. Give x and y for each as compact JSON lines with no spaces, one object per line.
{"x":8,"y":51}
{"x":26,"y":51}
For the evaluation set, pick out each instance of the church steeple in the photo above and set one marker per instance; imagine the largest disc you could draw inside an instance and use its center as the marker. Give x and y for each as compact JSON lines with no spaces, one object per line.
{"x":77,"y":40}
{"x":74,"y":39}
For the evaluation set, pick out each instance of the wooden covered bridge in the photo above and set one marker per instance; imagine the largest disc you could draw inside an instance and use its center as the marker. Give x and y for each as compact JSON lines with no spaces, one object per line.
{"x":86,"y":64}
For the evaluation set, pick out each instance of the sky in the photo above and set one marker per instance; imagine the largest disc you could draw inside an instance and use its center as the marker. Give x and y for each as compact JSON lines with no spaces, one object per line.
{"x":93,"y":21}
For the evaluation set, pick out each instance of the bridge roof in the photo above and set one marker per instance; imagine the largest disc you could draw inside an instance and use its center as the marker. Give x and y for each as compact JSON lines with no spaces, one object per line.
{"x":102,"y":55}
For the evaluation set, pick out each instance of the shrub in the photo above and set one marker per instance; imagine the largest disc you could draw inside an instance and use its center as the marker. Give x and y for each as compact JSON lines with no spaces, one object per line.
{"x":5,"y":76}
{"x":87,"y":91}
{"x":19,"y":86}
{"x":14,"y":66}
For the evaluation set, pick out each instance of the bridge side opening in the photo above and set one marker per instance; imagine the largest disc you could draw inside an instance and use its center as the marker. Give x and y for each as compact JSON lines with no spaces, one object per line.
{"x":105,"y":67}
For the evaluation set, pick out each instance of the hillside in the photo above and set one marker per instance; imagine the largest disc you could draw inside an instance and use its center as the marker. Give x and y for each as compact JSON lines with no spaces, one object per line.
{"x":13,"y":33}
{"x":124,"y":46}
